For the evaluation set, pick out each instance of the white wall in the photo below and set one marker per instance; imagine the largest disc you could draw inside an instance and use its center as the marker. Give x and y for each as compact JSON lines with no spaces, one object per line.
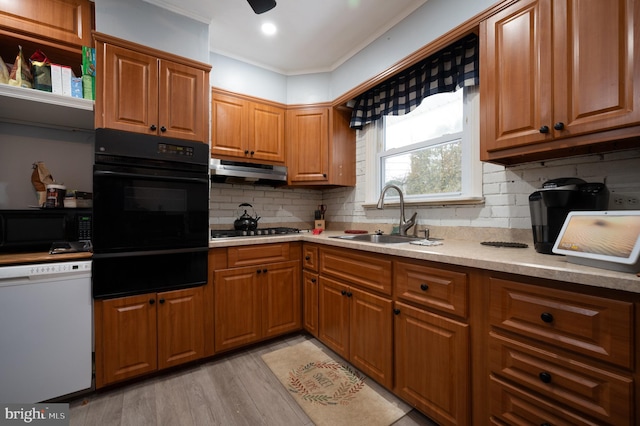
{"x":152,"y":26}
{"x":68,"y":156}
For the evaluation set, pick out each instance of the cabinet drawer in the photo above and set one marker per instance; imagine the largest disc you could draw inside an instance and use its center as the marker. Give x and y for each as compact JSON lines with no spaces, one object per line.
{"x":590,"y":325}
{"x":435,"y":288}
{"x":369,"y":271}
{"x":517,"y":407}
{"x":310,"y":257}
{"x":258,"y":254}
{"x":588,"y":389}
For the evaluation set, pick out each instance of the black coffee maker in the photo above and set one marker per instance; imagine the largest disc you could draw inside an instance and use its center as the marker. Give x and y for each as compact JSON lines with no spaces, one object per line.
{"x":551,"y":204}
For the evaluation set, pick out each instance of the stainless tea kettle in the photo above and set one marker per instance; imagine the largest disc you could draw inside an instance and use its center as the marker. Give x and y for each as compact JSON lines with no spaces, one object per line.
{"x":246,"y":222}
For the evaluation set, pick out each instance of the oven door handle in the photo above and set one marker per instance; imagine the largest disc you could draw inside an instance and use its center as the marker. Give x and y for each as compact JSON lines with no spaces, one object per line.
{"x":107,"y":173}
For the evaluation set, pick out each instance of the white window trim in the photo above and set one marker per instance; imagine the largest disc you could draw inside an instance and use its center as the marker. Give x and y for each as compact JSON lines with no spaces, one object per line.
{"x":471,"y":169}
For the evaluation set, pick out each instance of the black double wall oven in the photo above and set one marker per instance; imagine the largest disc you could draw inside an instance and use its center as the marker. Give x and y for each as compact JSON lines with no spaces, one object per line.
{"x":150,"y":214}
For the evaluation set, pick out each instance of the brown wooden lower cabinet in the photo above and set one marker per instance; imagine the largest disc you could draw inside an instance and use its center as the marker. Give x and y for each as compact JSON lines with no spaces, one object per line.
{"x":136,"y":335}
{"x":432,"y":364}
{"x":357,"y":325}
{"x":256,"y":302}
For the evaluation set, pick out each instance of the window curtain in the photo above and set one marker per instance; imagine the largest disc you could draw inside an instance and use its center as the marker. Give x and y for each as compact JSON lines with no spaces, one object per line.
{"x":447,"y":70}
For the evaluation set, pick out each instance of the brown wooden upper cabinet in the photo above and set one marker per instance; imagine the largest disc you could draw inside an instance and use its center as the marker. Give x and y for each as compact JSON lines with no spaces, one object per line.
{"x":559,"y":77}
{"x":65,"y":21}
{"x":246,"y":128}
{"x":321,"y":147}
{"x":154,"y":93}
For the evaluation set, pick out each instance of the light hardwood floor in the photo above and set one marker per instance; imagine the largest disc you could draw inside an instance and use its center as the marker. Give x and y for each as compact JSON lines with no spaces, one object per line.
{"x":232,"y":390}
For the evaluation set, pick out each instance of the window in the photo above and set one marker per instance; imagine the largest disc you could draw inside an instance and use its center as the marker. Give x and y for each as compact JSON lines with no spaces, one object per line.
{"x":431,"y":153}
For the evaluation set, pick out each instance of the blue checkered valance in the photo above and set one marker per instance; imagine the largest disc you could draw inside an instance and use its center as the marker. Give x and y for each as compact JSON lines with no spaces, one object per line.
{"x":447,"y":70}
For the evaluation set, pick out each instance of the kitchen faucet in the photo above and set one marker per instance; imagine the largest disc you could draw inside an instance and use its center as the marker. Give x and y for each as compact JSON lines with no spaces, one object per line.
{"x":404,"y":224}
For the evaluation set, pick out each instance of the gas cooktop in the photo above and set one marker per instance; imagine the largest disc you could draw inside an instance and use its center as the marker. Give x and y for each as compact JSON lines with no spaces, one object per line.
{"x":228,"y":233}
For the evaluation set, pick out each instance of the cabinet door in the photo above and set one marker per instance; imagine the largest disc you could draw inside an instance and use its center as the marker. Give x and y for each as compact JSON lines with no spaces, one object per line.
{"x":333,"y":317}
{"x":596,"y":63}
{"x":180,"y":327}
{"x":310,"y":302}
{"x":236,"y":308}
{"x":66,"y":21}
{"x":266,"y":132}
{"x":371,"y":335}
{"x":432,"y":364}
{"x":229,"y":127}
{"x":130,"y":92}
{"x":128,"y":338}
{"x":515,"y":82}
{"x":181,"y":102}
{"x":308,"y":145}
{"x":281,"y":298}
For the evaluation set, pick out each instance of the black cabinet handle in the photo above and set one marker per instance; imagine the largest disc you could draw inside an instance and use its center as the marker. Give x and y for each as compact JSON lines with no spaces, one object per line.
{"x":313,"y":280}
{"x":153,"y":127}
{"x":163,"y":129}
{"x":544,"y":129}
{"x":259,"y":271}
{"x":161,"y":301}
{"x":152,"y":301}
{"x":307,"y":258}
{"x":424,"y":287}
{"x":349,"y":294}
{"x":324,"y":175}
{"x":246,"y":152}
{"x":545,"y":424}
{"x":559,"y":125}
{"x":264,"y":271}
{"x":396,"y":311}
{"x":343,"y":292}
{"x":545,"y":377}
{"x":252,"y":152}
{"x":546,"y":317}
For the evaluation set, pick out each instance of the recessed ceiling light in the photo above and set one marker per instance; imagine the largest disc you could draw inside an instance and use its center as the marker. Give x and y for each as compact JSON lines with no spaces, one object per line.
{"x":269,"y":29}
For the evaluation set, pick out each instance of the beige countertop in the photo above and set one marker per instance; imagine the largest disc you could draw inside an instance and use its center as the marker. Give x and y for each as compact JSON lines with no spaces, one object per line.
{"x":522,"y":261}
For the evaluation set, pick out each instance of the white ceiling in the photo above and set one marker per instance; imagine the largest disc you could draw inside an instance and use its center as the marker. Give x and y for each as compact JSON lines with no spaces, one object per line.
{"x":313,"y":35}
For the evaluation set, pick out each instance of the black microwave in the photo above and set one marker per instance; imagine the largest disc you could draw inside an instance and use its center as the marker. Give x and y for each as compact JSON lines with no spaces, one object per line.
{"x":37,"y":229}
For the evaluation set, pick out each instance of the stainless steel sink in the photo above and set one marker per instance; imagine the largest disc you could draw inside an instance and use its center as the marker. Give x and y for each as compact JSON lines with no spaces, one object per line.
{"x":378,"y":238}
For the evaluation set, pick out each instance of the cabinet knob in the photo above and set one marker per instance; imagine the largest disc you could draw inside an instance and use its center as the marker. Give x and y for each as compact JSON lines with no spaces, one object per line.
{"x":545,"y":377}
{"x":349,"y":294}
{"x":153,"y":127}
{"x":313,"y":280}
{"x":396,"y":311}
{"x":246,"y":152}
{"x":264,"y":271}
{"x":546,"y":317}
{"x":343,"y":292}
{"x":307,"y":258}
{"x":424,"y":287}
{"x":559,"y":125}
{"x":152,"y":301}
{"x":324,"y":175}
{"x":163,"y":129}
{"x":544,"y":129}
{"x":252,"y":152}
{"x":161,"y":301}
{"x":258,"y":271}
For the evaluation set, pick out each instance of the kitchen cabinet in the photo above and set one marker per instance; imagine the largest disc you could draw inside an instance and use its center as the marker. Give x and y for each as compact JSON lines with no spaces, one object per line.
{"x":136,"y":335}
{"x":432,"y":351}
{"x":246,"y":128}
{"x":147,"y":91}
{"x":320,"y":146}
{"x":60,"y":29}
{"x":310,"y":284}
{"x":559,"y":77}
{"x":559,"y":357}
{"x":255,"y":297}
{"x":353,"y":320}
{"x":432,"y":364}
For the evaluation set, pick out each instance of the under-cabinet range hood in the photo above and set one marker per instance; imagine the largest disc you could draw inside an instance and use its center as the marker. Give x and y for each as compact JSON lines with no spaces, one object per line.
{"x":240,"y":172}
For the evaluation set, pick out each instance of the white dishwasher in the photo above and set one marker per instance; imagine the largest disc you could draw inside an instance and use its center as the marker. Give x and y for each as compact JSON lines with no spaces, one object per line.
{"x":45,"y":330}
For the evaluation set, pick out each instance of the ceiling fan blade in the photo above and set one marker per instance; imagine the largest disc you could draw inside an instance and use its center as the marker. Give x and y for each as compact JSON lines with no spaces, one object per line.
{"x":261,"y":6}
